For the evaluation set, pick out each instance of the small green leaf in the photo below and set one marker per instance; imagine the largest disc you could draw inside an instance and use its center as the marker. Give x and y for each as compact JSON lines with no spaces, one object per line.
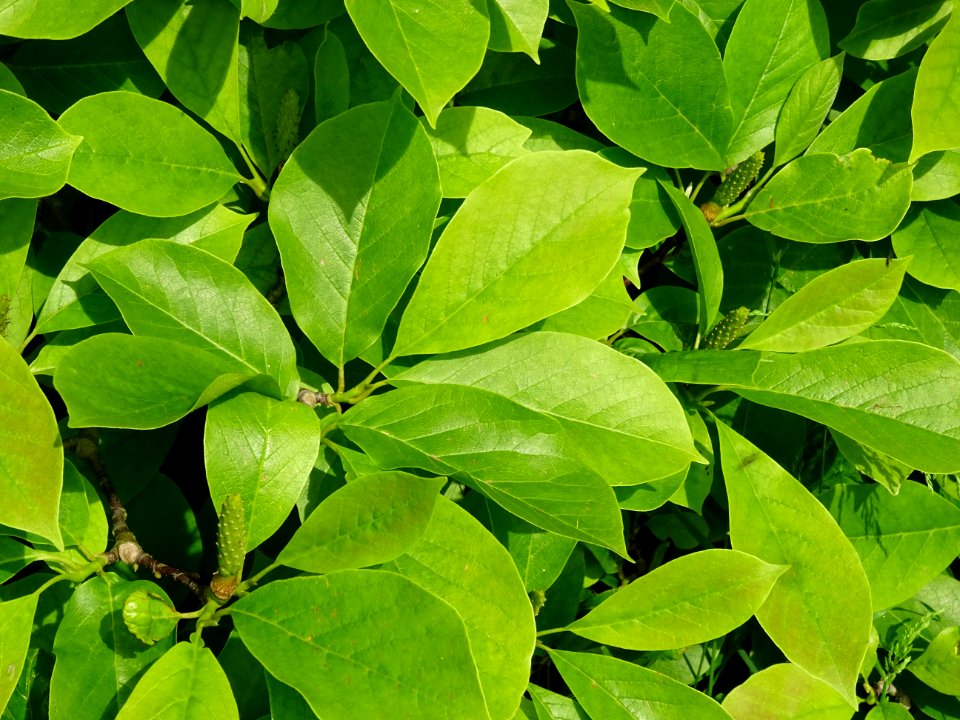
{"x":890,"y":711}
{"x":873,"y":463}
{"x":31,"y":455}
{"x":516,"y":25}
{"x":500,"y":266}
{"x":887,"y":29}
{"x":936,"y":176}
{"x":263,"y":450}
{"x":331,"y":73}
{"x":928,"y":233}
{"x":785,"y":692}
{"x":35,"y":153}
{"x":187,"y":682}
{"x":939,"y":665}
{"x":431,"y":49}
{"x":314,"y":634}
{"x":148,"y":616}
{"x":193,"y":46}
{"x":613,"y":689}
{"x":48,"y":19}
{"x":690,"y":600}
{"x":540,"y":556}
{"x":831,"y":308}
{"x":819,"y":613}
{"x":829,"y":198}
{"x":83,"y":522}
{"x":674,"y":113}
{"x":551,"y":706}
{"x":162,"y":290}
{"x":145,"y":156}
{"x":936,"y":102}
{"x":369,"y":521}
{"x":806,"y":107}
{"x":16,"y":624}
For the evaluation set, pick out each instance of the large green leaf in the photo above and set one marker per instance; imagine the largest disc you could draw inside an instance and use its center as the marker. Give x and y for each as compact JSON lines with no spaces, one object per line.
{"x":897,"y":397}
{"x":936,"y":102}
{"x":825,"y":198}
{"x":519,"y":458}
{"x":98,"y":659}
{"x":832,"y":307}
{"x":655,"y":88}
{"x":432,"y":49}
{"x":819,"y":612}
{"x":31,"y":457}
{"x":368,"y":521}
{"x":534,"y":239}
{"x":187,"y":682}
{"x":706,"y":258}
{"x":124,"y":381}
{"x":806,"y":107}
{"x":516,"y":25}
{"x":352,"y":213}
{"x":145,"y":156}
{"x":16,"y":624}
{"x":610,"y":405}
{"x":929,"y":233}
{"x":690,"y":600}
{"x":263,"y":450}
{"x":363,"y":643}
{"x":35,"y":152}
{"x":613,"y":689}
{"x":471,"y":144}
{"x":771,"y":46}
{"x":458,"y":561}
{"x":193,"y":45}
{"x":163,"y":290}
{"x":886,"y":29}
{"x":903,"y":541}
{"x":75,"y":299}
{"x":51,"y":19}
{"x":785,"y":692}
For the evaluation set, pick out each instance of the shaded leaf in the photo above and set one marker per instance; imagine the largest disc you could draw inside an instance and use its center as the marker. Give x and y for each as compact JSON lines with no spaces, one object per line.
{"x":887,"y":29}
{"x":928,"y":233}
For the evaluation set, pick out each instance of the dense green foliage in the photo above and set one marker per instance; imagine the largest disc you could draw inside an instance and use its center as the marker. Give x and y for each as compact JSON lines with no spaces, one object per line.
{"x":479,"y":359}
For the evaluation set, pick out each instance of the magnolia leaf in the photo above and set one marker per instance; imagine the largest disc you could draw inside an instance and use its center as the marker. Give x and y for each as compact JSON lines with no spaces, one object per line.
{"x":47,"y":18}
{"x":936,"y":102}
{"x":16,"y":624}
{"x":939,"y":665}
{"x":785,"y":692}
{"x":516,"y":25}
{"x":928,"y":234}
{"x":886,"y":29}
{"x":806,"y":107}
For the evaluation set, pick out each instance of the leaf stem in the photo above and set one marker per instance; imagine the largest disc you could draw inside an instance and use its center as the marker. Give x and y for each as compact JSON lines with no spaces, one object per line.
{"x":551,"y":631}
{"x":28,"y":340}
{"x":699,"y":186}
{"x":257,"y":182}
{"x":251,"y":582}
{"x":731,"y":212}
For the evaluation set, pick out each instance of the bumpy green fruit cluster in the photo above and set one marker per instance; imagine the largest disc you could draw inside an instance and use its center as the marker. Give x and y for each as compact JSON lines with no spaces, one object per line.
{"x":231,"y":548}
{"x":739,"y":179}
{"x":726,"y":331}
{"x":148,"y":616}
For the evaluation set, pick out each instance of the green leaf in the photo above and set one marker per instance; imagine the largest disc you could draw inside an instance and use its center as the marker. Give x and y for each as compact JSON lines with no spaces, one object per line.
{"x":31,"y":457}
{"x":57,"y":73}
{"x":516,"y":25}
{"x":706,"y":258}
{"x":892,"y":711}
{"x":660,"y":8}
{"x":893,"y":396}
{"x":431,"y":49}
{"x":903,"y":541}
{"x":331,"y":90}
{"x":936,"y":176}
{"x":690,"y":600}
{"x":519,"y":458}
{"x":314,"y":633}
{"x":369,"y":521}
{"x":458,"y":561}
{"x":16,"y":624}
{"x":262,"y":450}
{"x":35,"y":153}
{"x":874,"y":464}
{"x":98,"y":659}
{"x":819,"y":612}
{"x":193,"y":45}
{"x":652,"y":217}
{"x":613,"y":689}
{"x":534,"y":239}
{"x":123,"y":381}
{"x":785,"y":692}
{"x":939,"y":665}
{"x":299,"y":14}
{"x":49,"y":19}
{"x":936,"y":102}
{"x":352,"y":212}
{"x":471,"y":144}
{"x":551,"y":706}
{"x":187,"y":682}
{"x":771,"y":46}
{"x":610,"y":406}
{"x":832,"y":307}
{"x":829,"y":198}
{"x":928,"y":233}
{"x":163,"y":290}
{"x":9,"y":81}
{"x":145,"y":156}
{"x":655,"y":88}
{"x":75,"y":299}
{"x":601,"y":314}
{"x":540,"y":556}
{"x":14,"y":557}
{"x":17,"y":217}
{"x":879,"y":120}
{"x":923,"y":314}
{"x":83,"y":522}
{"x":887,"y":29}
{"x":806,"y":107}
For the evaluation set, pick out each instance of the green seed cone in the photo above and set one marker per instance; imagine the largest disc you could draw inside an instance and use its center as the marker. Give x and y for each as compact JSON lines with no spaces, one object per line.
{"x":737,"y":181}
{"x":727,"y":329}
{"x":232,"y":537}
{"x":148,"y":616}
